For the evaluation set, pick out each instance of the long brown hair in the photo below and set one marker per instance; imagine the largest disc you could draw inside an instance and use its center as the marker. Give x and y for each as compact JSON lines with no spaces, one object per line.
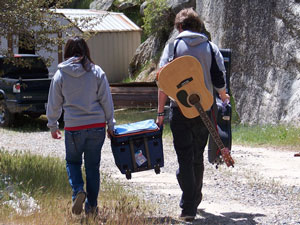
{"x":76,"y":46}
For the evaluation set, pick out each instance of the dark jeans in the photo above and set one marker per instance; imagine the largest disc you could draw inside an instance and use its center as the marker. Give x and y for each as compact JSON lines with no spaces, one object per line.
{"x":88,"y":142}
{"x":190,"y":138}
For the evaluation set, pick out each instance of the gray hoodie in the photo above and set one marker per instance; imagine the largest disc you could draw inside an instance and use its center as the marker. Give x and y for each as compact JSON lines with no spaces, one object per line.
{"x":84,"y":96}
{"x":195,"y":44}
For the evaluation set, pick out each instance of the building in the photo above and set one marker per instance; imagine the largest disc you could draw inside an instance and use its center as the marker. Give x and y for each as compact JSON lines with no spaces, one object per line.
{"x":113,"y":42}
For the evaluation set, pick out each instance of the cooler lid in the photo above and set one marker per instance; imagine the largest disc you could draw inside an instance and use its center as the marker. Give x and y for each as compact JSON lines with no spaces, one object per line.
{"x":129,"y":128}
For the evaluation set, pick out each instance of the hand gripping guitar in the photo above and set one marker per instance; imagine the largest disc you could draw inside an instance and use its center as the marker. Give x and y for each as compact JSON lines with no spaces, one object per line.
{"x":182,"y":79}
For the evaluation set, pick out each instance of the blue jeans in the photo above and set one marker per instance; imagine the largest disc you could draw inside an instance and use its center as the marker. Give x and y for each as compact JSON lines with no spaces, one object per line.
{"x":190,"y":138}
{"x":89,"y":142}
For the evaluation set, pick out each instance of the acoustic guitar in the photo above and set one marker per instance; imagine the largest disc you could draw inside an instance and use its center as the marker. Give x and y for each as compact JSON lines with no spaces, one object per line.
{"x":182,"y":79}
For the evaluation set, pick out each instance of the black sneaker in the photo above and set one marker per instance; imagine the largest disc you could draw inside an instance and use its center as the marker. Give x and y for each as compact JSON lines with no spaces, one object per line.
{"x":78,"y":203}
{"x":187,"y":218}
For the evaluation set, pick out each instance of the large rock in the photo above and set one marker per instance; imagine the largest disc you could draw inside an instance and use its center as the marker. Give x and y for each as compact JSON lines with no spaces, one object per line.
{"x":142,"y":8}
{"x":265,"y":39}
{"x":126,"y":5}
{"x":177,"y":5}
{"x":145,"y":53}
{"x":104,"y":5}
{"x":174,"y":5}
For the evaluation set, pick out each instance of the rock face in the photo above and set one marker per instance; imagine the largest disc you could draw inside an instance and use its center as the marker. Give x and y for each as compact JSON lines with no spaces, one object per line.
{"x":265,"y":40}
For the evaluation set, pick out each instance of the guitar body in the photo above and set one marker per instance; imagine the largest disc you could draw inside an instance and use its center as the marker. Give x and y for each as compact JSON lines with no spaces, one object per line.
{"x":182,"y":77}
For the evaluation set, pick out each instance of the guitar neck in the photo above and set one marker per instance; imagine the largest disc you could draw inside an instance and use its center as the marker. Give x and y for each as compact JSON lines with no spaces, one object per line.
{"x":211,"y":129}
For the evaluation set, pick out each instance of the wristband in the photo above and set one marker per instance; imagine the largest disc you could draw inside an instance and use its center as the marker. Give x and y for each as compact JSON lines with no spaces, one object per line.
{"x":161,"y":114}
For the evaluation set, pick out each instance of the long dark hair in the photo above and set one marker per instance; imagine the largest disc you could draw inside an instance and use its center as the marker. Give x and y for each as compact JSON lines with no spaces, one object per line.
{"x":76,"y":46}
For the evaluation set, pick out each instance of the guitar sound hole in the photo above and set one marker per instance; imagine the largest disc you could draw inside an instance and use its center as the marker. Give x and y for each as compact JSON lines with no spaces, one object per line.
{"x":194,"y":98}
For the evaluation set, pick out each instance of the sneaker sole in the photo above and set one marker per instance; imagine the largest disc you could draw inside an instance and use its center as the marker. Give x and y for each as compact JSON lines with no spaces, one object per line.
{"x":187,"y":218}
{"x":78,"y":203}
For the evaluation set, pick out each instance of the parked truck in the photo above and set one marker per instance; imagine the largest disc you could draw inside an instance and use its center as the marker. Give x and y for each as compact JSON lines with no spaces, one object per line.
{"x":23,"y":90}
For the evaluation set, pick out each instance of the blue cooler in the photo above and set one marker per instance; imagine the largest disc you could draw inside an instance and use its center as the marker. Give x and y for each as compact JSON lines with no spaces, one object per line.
{"x":138,"y":147}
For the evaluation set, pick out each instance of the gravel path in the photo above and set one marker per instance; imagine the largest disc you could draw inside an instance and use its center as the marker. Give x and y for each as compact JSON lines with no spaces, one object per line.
{"x":263,"y":188}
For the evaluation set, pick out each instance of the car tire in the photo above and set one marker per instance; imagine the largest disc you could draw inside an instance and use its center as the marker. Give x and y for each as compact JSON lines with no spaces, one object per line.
{"x":6,"y":117}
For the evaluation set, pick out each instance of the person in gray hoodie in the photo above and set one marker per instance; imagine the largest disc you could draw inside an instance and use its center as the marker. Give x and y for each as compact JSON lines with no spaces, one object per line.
{"x":190,"y":135}
{"x":80,"y":89}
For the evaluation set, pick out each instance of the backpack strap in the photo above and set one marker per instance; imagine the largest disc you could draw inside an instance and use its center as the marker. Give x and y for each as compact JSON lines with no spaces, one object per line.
{"x":172,"y":49}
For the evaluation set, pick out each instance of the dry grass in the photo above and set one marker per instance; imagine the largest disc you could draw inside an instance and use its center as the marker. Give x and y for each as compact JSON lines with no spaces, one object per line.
{"x":53,"y":195}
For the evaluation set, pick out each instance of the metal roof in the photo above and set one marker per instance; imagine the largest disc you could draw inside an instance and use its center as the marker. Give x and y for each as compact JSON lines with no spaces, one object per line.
{"x":98,"y":21}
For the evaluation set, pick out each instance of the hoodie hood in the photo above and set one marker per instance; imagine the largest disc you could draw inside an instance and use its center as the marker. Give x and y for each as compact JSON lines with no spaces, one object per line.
{"x":192,"y":38}
{"x":72,"y":67}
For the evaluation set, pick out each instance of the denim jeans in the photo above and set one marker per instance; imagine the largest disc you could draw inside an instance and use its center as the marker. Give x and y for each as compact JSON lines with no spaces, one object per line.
{"x":88,"y":142}
{"x":190,"y":138}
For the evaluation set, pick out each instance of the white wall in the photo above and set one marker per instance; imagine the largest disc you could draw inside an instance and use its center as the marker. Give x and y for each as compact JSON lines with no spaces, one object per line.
{"x":113,"y":52}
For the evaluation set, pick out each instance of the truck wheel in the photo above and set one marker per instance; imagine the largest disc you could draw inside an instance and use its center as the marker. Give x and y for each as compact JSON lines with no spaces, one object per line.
{"x":6,"y":117}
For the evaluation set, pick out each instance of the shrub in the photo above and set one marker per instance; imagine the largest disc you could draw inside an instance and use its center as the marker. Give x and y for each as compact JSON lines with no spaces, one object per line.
{"x":158,"y":18}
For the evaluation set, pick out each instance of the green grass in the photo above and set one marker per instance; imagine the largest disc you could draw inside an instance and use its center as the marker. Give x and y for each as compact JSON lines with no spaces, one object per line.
{"x":35,"y":172}
{"x":128,"y":80}
{"x":266,"y":135}
{"x":256,"y":135}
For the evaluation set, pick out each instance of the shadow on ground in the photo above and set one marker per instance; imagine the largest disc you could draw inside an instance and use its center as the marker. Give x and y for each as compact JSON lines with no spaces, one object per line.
{"x":230,"y":218}
{"x":238,"y":218}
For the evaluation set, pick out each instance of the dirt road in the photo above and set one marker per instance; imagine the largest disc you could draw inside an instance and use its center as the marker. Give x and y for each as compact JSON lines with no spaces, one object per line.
{"x":262,"y":188}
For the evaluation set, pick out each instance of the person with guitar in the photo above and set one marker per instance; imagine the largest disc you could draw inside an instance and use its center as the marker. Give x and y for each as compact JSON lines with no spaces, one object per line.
{"x":190,"y":135}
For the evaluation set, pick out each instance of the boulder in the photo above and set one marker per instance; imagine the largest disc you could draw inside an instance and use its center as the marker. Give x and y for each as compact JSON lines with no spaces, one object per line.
{"x":145,"y":53}
{"x":177,"y":5}
{"x":104,"y":5}
{"x":126,"y":5}
{"x":265,"y":41}
{"x":142,"y":7}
